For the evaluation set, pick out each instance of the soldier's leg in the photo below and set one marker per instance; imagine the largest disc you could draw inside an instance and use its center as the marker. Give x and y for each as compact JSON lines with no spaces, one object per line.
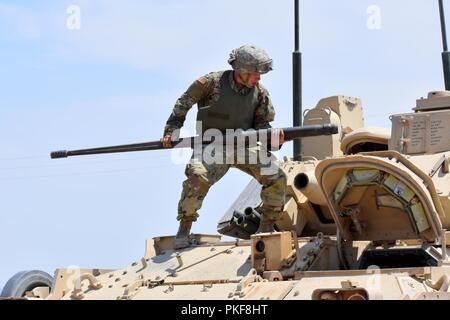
{"x":200,"y":177}
{"x":273,"y":181}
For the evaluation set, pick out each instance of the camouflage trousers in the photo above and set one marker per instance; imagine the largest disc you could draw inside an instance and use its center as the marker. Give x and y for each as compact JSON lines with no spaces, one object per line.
{"x":201,"y":175}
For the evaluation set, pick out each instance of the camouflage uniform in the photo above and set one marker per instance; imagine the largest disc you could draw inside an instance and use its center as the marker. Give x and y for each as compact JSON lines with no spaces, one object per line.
{"x":201,"y":175}
{"x":207,"y":88}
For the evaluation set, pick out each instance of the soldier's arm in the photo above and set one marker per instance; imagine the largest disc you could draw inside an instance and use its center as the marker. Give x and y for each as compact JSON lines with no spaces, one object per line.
{"x":264,"y":112}
{"x":199,"y":89}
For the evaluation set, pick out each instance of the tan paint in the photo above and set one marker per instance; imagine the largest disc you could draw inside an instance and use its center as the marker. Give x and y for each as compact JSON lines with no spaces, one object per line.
{"x":306,"y":259}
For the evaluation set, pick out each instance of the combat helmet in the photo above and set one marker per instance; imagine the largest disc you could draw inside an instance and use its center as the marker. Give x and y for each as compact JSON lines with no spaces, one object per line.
{"x":250,"y":58}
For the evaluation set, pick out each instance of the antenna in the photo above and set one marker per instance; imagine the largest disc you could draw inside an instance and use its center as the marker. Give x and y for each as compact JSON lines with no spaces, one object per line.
{"x":445,"y":53}
{"x":297,"y":83}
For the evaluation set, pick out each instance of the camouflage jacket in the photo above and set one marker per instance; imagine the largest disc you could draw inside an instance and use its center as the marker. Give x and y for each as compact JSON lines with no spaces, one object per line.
{"x":207,"y":88}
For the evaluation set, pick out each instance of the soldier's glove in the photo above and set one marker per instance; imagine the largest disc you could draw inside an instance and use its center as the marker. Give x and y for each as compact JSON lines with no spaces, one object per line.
{"x":167,"y":141}
{"x":277,"y":139}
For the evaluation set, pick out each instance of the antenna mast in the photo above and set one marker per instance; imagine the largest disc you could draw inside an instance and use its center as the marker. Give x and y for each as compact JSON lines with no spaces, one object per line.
{"x":297,"y":83}
{"x":445,"y":53}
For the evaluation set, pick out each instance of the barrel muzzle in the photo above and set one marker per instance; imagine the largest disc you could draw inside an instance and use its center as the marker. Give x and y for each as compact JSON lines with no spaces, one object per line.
{"x":59,"y":154}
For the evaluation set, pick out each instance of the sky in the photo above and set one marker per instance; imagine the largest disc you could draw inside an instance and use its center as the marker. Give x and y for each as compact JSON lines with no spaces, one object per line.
{"x":79,"y":74}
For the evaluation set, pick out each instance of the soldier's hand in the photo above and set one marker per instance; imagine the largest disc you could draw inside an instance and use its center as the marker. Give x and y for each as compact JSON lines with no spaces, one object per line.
{"x":167,"y":141}
{"x":277,"y":138}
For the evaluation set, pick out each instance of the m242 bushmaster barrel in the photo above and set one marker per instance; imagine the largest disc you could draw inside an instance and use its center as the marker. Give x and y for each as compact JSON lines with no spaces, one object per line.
{"x":290,"y":133}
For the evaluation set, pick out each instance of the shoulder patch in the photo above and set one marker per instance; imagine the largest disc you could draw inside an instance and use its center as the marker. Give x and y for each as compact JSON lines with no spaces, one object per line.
{"x":198,"y":88}
{"x":202,"y":80}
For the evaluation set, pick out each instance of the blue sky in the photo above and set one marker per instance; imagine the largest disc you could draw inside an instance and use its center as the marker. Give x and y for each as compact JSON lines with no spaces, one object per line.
{"x":115,"y":81}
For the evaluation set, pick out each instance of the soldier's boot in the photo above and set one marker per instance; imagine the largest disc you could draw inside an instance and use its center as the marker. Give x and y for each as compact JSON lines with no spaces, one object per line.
{"x":181,"y":239}
{"x":266,"y":225}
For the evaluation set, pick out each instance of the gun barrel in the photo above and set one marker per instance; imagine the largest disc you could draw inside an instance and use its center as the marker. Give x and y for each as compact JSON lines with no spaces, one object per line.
{"x":309,"y":131}
{"x":189,"y":142}
{"x":152,"y":145}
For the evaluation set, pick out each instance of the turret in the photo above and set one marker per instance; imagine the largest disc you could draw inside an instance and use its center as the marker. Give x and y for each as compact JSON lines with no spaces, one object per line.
{"x":426,"y":130}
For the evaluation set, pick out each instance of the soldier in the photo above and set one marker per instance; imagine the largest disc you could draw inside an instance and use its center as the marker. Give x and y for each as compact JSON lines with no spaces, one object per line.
{"x":232,"y":99}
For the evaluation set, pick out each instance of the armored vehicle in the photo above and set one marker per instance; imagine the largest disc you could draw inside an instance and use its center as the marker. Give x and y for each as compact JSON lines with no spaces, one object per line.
{"x":366,"y":217}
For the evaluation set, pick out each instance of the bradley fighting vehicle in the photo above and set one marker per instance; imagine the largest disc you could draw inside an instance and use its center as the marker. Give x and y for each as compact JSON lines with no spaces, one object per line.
{"x":367,"y":216}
